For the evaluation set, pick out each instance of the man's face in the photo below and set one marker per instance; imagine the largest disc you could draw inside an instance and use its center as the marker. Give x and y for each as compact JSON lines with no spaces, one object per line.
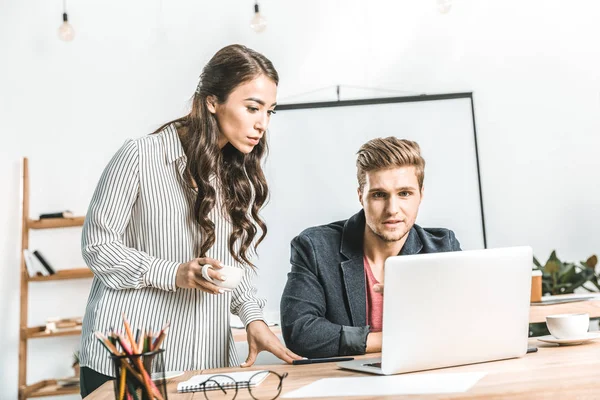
{"x":391,"y":199}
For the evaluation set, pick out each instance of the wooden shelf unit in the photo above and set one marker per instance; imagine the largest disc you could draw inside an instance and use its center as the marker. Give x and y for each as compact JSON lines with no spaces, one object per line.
{"x":63,"y":274}
{"x":47,"y":387}
{"x":51,"y":223}
{"x":36,"y":332}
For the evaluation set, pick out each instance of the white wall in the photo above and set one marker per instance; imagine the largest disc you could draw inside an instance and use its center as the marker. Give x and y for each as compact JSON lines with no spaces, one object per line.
{"x":532,"y":65}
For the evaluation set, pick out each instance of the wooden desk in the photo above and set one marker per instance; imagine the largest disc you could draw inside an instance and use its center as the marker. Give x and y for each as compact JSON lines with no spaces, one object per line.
{"x":539,"y":311}
{"x":553,"y":372}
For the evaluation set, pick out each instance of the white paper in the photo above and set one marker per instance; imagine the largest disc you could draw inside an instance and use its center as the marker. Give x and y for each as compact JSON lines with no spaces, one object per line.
{"x":435,"y":383}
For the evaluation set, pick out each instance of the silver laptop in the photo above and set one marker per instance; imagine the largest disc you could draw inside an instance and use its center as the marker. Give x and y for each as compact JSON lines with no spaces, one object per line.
{"x":456,"y":308}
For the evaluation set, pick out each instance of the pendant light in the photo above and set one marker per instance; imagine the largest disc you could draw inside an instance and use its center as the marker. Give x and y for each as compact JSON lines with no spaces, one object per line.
{"x":258,"y":23}
{"x":66,"y":32}
{"x":444,"y":6}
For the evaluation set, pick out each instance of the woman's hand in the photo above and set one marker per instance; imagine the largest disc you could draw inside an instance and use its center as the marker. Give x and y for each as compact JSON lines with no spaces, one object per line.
{"x":260,"y":338}
{"x":378,"y":288}
{"x":189,"y":275}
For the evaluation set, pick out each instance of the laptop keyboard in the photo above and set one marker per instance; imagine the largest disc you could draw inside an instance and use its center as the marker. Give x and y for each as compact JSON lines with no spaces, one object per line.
{"x":375,"y":365}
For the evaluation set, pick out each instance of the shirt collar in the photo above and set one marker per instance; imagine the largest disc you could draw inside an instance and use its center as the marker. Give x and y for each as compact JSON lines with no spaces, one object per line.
{"x":173,"y":148}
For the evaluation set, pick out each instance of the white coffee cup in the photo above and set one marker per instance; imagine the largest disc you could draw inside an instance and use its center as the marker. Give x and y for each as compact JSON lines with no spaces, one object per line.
{"x":232,"y":275}
{"x":568,"y":326}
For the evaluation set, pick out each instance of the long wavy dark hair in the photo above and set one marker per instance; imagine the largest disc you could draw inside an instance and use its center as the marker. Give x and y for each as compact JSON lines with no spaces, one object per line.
{"x":241,"y":180}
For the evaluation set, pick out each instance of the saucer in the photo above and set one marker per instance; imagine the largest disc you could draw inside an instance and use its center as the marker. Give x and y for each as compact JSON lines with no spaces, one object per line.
{"x":589,"y":336}
{"x":168,"y":375}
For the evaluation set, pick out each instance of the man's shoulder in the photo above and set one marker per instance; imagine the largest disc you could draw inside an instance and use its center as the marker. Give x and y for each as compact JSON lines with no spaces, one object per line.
{"x":433,"y":232}
{"x":331,"y":231}
{"x":437,"y":239}
{"x":318,"y":247}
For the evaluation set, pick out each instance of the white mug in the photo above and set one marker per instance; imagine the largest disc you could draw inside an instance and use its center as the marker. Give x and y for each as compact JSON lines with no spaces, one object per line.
{"x":568,"y":326}
{"x":233,"y":276}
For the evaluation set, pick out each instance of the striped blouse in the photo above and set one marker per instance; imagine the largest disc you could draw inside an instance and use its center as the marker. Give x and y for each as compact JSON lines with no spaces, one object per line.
{"x":139,"y":228}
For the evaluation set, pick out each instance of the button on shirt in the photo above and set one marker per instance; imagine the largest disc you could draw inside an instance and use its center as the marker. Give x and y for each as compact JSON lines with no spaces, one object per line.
{"x":139,"y":228}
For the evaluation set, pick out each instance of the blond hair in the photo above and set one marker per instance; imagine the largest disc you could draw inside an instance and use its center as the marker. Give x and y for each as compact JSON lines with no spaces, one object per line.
{"x":390,"y":152}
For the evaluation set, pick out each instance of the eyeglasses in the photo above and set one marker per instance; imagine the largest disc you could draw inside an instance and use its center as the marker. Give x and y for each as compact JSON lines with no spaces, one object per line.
{"x":264,"y":385}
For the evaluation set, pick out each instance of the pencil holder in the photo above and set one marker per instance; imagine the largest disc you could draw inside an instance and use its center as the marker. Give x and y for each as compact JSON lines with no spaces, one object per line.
{"x":140,"y":376}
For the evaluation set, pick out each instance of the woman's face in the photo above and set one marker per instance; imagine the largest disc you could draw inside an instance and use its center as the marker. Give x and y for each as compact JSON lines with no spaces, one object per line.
{"x":243,"y":119}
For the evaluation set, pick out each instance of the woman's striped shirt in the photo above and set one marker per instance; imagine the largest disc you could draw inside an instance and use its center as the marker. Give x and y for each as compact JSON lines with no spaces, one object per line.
{"x":139,"y":228}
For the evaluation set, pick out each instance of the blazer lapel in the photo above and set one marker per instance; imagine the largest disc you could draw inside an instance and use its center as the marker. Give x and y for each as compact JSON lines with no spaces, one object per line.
{"x":413,"y":244}
{"x":353,"y":270}
{"x":354,"y":282}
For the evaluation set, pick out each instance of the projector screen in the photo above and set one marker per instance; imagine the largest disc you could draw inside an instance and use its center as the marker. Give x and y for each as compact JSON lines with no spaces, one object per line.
{"x":312,"y":174}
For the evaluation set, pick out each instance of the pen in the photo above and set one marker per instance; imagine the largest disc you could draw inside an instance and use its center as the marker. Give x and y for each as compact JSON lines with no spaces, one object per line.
{"x":320,"y":360}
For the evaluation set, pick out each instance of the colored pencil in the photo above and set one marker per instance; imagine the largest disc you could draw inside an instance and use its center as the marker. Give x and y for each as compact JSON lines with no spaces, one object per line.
{"x":123,"y":380}
{"x":160,"y":335}
{"x":160,"y":339}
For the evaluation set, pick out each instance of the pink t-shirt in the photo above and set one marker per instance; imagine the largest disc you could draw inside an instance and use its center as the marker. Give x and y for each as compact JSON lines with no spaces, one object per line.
{"x":374,"y":300}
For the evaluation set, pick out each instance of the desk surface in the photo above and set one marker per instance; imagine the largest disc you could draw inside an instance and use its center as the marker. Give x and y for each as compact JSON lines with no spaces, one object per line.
{"x":539,"y":311}
{"x":553,"y":372}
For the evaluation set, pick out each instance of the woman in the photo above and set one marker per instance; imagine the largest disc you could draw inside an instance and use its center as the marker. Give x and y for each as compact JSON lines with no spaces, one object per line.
{"x":171,"y":202}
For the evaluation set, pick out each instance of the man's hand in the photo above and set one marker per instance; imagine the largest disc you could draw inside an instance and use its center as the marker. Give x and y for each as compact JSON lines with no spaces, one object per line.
{"x":374,"y":342}
{"x":189,"y":275}
{"x":260,"y":338}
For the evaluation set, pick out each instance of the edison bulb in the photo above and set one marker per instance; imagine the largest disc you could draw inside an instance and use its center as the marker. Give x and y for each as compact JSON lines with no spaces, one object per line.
{"x":65,"y":31}
{"x":444,"y":6}
{"x":258,"y":23}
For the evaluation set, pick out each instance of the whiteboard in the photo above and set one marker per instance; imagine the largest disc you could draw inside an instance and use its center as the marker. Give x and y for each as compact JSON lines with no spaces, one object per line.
{"x":311,"y":169}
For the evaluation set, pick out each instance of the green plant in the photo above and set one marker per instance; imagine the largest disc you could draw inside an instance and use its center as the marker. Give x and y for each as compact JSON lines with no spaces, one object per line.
{"x":560,"y":277}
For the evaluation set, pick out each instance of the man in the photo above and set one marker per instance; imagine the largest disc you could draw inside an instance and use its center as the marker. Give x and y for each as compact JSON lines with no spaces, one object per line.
{"x":332,"y":303}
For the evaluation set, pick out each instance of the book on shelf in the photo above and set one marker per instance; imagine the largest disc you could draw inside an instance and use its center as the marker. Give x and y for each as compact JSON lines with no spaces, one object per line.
{"x":55,"y":324}
{"x":44,"y":262}
{"x":59,"y":214}
{"x":34,"y":266}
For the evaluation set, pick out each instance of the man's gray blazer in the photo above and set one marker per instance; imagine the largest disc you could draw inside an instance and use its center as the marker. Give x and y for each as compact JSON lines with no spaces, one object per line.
{"x":323,"y":306}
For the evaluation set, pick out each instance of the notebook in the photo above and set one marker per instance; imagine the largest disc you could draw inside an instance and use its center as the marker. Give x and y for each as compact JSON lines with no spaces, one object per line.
{"x":195,"y":383}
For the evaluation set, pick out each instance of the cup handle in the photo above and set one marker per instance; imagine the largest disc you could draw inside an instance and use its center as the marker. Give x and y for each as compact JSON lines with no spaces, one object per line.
{"x":205,"y":273}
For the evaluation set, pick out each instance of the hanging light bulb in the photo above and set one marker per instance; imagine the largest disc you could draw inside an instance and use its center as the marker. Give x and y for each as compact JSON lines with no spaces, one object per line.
{"x":444,"y":6}
{"x":258,"y":23}
{"x":66,"y":32}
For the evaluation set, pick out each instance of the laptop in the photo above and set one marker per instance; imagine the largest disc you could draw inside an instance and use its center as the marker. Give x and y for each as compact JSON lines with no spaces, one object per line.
{"x":456,"y":308}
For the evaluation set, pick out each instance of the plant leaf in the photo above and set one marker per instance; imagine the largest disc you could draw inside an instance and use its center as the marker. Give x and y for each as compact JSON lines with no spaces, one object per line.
{"x":565,"y":277}
{"x":552,"y":266}
{"x":564,"y":267}
{"x":592,"y":261}
{"x":537,"y":263}
{"x":568,"y":275}
{"x":578,"y":283}
{"x":584,"y":274}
